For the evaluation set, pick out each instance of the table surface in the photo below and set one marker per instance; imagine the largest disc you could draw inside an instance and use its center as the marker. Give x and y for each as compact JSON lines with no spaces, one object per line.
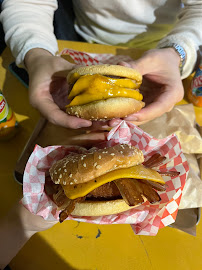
{"x":73,"y":245}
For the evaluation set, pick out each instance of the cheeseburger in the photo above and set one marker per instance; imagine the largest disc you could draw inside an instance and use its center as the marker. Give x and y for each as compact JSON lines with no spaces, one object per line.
{"x":103,"y":92}
{"x":104,"y":181}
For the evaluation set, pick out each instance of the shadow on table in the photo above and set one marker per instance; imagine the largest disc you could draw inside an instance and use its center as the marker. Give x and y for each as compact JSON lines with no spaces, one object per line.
{"x":42,"y":257}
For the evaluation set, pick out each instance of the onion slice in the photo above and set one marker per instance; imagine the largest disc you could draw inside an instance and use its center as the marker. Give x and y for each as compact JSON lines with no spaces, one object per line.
{"x":129,"y":192}
{"x":169,"y":173}
{"x":154,"y":160}
{"x":69,"y":208}
{"x":155,"y":185}
{"x":133,"y":191}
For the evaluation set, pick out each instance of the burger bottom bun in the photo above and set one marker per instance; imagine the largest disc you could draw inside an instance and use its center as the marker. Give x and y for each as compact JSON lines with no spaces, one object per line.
{"x":107,"y":109}
{"x":101,"y":208}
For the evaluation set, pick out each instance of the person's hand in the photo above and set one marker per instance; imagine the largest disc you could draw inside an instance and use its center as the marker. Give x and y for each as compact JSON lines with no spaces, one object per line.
{"x":30,"y":222}
{"x":162,"y":86}
{"x":16,"y":228}
{"x":48,"y":87}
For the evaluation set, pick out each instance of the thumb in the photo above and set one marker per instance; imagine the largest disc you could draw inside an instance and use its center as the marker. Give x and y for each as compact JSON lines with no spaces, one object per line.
{"x":154,"y":109}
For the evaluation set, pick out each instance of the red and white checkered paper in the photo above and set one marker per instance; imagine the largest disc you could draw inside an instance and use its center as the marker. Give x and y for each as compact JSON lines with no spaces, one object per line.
{"x":87,"y":59}
{"x":145,"y":219}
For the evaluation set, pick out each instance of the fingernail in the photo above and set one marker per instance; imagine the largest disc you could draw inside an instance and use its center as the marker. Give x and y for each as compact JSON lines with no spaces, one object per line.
{"x":115,"y":123}
{"x":131,"y":118}
{"x":125,"y":64}
{"x":85,"y":124}
{"x":104,"y":127}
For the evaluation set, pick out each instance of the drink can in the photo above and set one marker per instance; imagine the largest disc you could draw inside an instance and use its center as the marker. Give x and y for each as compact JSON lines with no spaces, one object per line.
{"x":195,"y":91}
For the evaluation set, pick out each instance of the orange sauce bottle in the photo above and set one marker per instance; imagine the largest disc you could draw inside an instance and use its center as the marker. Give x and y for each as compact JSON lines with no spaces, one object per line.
{"x":8,"y":122}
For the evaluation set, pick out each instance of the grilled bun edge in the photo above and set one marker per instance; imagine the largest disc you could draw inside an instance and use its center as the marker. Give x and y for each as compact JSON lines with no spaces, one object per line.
{"x":117,"y":107}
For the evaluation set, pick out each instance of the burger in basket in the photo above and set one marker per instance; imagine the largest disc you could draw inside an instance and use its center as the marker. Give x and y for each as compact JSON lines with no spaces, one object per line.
{"x":103,"y":92}
{"x":105,"y":181}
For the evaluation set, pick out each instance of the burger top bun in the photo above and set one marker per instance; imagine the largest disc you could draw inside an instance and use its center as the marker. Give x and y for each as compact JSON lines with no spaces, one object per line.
{"x":81,"y":168}
{"x":111,"y":70}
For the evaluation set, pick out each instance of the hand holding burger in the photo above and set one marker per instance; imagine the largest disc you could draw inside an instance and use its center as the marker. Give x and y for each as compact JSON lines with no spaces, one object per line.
{"x":48,"y":87}
{"x":162,"y":84}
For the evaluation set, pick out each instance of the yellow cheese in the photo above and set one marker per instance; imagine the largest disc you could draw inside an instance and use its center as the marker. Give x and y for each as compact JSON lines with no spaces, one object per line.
{"x":99,"y":83}
{"x":74,"y":77}
{"x":87,"y":98}
{"x":136,"y":172}
{"x":91,"y":88}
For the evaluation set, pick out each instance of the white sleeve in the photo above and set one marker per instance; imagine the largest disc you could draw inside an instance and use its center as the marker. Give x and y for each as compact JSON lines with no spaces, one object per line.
{"x":28,"y":24}
{"x":187,"y":33}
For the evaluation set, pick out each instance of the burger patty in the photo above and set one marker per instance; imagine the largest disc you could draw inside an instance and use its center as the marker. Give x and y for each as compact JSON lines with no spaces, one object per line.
{"x":108,"y":191}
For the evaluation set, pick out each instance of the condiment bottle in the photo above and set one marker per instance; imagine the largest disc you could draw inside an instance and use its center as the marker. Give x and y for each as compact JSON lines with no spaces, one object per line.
{"x":8,"y":122}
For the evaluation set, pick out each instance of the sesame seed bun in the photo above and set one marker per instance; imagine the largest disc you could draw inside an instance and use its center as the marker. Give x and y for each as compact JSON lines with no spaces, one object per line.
{"x":82,"y":168}
{"x":106,"y":109}
{"x":106,"y":69}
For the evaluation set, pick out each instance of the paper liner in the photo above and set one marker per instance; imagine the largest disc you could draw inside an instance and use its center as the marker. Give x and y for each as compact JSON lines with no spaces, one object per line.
{"x":145,"y":219}
{"x":87,"y":59}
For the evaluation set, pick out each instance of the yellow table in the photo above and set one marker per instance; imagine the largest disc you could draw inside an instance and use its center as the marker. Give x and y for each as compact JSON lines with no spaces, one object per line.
{"x":73,"y":245}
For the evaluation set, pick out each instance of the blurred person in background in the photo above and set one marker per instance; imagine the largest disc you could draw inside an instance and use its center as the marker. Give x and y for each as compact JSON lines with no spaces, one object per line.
{"x":2,"y":42}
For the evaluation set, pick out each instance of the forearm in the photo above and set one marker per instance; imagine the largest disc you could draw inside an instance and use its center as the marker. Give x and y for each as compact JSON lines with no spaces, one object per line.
{"x":187,"y":33}
{"x":13,"y":236}
{"x":33,"y":56}
{"x":27,"y":25}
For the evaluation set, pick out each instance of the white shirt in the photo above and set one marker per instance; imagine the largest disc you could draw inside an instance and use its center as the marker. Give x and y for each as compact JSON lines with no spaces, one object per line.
{"x":137,"y":23}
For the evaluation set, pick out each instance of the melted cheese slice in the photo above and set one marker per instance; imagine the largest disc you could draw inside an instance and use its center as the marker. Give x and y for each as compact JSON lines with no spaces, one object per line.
{"x":136,"y":172}
{"x":91,"y":88}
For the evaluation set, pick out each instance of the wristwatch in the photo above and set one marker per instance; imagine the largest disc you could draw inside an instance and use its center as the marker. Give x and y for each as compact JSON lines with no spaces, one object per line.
{"x":181,"y":52}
